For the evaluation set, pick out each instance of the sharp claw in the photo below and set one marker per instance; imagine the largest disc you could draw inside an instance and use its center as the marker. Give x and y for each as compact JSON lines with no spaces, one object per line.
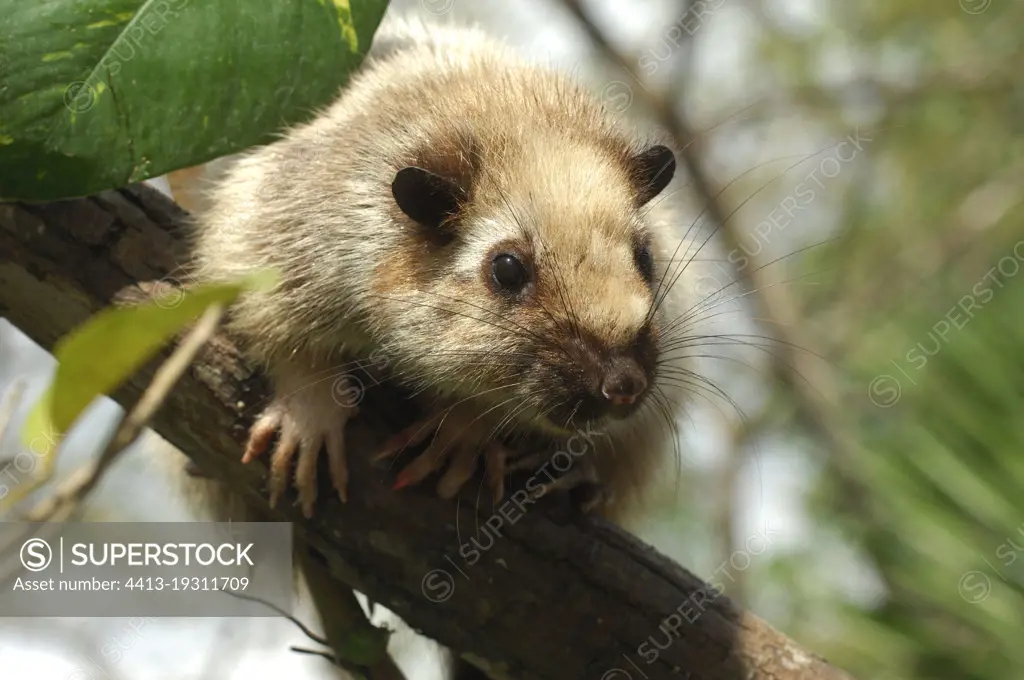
{"x":405,"y":478}
{"x":583,"y":473}
{"x":425,"y":463}
{"x":335,"y":441}
{"x":416,"y":471}
{"x":276,"y":491}
{"x":305,"y":474}
{"x":280,"y":463}
{"x":389,"y":449}
{"x":448,"y":436}
{"x":410,"y":436}
{"x":262,"y":431}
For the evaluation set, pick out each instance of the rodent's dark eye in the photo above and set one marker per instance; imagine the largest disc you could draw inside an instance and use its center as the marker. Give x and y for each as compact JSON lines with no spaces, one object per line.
{"x":644,"y":261}
{"x":509,"y":273}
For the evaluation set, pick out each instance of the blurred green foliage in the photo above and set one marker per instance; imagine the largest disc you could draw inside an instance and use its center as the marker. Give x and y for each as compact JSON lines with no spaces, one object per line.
{"x":921,"y":315}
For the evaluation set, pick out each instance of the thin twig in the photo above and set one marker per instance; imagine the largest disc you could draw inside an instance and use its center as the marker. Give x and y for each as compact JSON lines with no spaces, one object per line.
{"x":315,"y":652}
{"x":306,"y":630}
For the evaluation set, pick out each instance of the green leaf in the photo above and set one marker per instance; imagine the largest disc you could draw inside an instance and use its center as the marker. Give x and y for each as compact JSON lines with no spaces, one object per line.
{"x":97,"y":94}
{"x":98,"y":356}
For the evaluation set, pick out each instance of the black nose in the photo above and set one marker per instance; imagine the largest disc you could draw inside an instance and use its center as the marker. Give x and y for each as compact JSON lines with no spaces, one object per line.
{"x":623,"y":383}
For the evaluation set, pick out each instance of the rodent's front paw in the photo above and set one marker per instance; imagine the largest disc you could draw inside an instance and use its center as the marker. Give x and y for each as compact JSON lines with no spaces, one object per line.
{"x":454,"y":440}
{"x":304,"y":421}
{"x":581,"y":481}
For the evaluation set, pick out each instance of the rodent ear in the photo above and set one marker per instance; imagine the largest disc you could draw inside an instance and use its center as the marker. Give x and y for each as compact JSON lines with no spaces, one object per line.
{"x":652,"y":171}
{"x":427,"y":198}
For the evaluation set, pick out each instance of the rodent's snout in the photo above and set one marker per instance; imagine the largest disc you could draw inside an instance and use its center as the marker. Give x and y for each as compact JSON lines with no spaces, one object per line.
{"x":623,"y":382}
{"x":610,"y":384}
{"x":590,"y":379}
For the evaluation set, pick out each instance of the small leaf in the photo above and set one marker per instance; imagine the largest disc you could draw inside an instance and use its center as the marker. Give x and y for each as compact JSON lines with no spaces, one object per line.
{"x":101,"y":354}
{"x":365,"y":646}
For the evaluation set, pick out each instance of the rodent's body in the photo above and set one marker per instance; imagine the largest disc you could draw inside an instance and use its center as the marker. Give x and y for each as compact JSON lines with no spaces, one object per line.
{"x":546,"y":172}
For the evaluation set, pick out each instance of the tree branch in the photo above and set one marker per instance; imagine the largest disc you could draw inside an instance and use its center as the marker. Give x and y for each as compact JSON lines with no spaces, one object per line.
{"x":542,"y":596}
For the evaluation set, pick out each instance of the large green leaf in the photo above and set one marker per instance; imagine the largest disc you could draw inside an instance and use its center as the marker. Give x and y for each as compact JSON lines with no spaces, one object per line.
{"x":96,"y":94}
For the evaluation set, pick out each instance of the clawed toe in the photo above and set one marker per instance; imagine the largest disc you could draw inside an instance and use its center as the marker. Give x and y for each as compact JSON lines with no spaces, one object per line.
{"x":496,"y":467}
{"x":456,"y":445}
{"x":424,"y":464}
{"x":305,"y":474}
{"x":281,"y":463}
{"x":261,"y":434}
{"x":458,"y":473}
{"x":410,"y":436}
{"x":529,"y":461}
{"x":337,"y":462}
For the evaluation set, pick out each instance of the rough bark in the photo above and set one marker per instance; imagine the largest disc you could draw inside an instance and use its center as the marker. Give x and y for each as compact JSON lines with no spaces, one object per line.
{"x":553,"y":596}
